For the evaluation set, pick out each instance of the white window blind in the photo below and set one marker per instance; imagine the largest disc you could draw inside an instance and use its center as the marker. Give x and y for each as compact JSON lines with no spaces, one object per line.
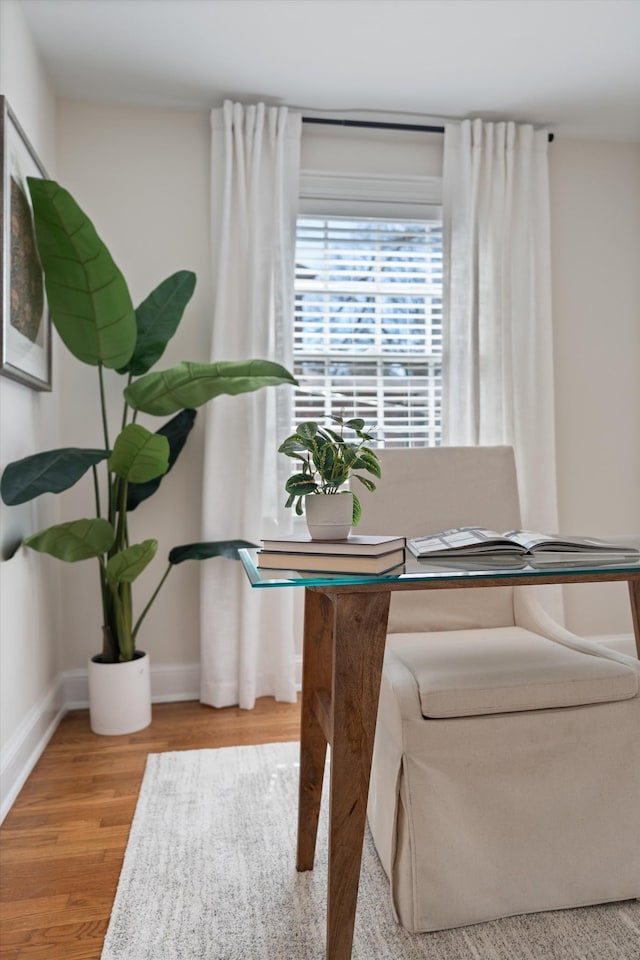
{"x":368,"y":325}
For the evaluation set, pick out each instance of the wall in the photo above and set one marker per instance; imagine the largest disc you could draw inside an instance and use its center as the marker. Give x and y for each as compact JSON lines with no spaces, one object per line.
{"x":142,"y":176}
{"x":30,"y":698}
{"x":595,"y":204}
{"x":369,"y":151}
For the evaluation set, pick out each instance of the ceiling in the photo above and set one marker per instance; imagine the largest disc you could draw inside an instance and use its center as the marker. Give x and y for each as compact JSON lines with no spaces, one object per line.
{"x":571,"y":65}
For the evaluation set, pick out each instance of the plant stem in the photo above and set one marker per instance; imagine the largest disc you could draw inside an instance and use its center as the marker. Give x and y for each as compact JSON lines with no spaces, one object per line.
{"x":121,"y":530}
{"x":103,"y":407}
{"x":103,"y":591}
{"x":148,"y":606}
{"x":107,"y":445}
{"x":340,"y":454}
{"x":96,"y":488}
{"x":121,"y":599}
{"x":126,"y":407}
{"x":109,"y":647}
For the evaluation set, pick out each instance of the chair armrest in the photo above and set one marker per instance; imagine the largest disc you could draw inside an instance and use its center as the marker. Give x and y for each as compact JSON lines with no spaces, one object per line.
{"x":399,"y":689}
{"x":531,"y":615}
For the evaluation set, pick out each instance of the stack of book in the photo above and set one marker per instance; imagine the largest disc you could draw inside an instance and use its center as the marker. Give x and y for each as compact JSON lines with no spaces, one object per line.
{"x":357,"y":554}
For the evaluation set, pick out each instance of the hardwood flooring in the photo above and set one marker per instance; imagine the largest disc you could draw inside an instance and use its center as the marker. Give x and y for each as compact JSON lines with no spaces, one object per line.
{"x":62,"y":843}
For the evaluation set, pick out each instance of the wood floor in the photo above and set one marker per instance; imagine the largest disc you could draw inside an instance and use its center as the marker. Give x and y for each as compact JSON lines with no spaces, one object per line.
{"x":62,"y":843}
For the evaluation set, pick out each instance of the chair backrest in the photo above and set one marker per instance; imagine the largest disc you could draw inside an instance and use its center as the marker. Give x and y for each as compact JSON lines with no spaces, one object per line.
{"x":428,"y":489}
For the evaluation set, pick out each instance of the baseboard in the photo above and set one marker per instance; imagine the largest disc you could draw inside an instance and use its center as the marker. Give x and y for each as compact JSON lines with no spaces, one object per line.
{"x":169,"y":682}
{"x":27,"y":744}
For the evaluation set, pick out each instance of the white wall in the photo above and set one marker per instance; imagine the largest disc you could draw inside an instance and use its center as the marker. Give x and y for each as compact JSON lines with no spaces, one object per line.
{"x":142,"y":176}
{"x":29,"y":650}
{"x":360,"y":150}
{"x":595,"y":210}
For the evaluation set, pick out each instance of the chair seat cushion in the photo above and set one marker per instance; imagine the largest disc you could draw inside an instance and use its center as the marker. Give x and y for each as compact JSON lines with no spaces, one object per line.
{"x":463,"y":673}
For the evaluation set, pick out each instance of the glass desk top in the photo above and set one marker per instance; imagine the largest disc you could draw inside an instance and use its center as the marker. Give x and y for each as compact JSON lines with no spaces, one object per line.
{"x":464,"y":569}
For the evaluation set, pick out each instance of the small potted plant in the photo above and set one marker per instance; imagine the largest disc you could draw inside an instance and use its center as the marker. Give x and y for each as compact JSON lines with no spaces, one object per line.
{"x":329,"y":459}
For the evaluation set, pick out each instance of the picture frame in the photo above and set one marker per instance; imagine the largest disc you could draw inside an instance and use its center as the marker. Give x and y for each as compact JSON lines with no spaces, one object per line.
{"x":25,"y":332}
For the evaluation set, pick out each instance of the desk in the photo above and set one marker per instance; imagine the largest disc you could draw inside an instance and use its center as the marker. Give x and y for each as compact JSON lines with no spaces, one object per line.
{"x":345,"y":627}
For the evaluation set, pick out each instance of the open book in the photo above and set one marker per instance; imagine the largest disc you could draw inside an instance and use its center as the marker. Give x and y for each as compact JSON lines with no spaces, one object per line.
{"x":478,"y":542}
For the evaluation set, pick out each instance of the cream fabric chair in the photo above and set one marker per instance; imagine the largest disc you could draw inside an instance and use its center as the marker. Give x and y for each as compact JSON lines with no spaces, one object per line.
{"x":506,"y":769}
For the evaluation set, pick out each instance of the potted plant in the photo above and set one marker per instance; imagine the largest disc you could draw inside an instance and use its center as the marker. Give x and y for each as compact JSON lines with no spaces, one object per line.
{"x":329,"y":459}
{"x":92,"y":311}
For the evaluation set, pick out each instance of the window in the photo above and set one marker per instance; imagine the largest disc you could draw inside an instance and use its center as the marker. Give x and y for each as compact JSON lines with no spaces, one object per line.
{"x":368,"y":324}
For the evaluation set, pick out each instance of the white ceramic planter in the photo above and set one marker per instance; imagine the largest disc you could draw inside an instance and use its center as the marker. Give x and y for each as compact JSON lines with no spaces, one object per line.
{"x":329,"y":516}
{"x":120,"y":695}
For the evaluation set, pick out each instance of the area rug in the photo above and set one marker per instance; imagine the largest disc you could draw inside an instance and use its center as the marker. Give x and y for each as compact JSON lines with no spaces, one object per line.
{"x":209,"y":874}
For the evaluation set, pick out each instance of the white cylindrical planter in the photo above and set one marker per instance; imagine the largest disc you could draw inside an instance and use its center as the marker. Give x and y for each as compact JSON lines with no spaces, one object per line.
{"x":120,"y":695}
{"x":329,"y":516}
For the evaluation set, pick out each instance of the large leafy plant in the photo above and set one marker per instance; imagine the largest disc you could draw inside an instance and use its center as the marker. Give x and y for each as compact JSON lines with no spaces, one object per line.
{"x":328,"y":458}
{"x":92,"y":311}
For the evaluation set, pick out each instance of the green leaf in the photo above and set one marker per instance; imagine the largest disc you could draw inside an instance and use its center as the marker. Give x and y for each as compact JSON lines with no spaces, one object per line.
{"x":176,"y":431}
{"x":11,"y":547}
{"x":77,"y":540}
{"x":299,"y":485}
{"x":88,"y":297}
{"x":157,"y":320}
{"x":324,"y":460}
{"x":139,"y":455}
{"x":192,"y":384}
{"x":203,"y":551}
{"x":339,"y":475}
{"x":357,"y":424}
{"x":371,"y":462}
{"x":125,"y":566}
{"x":369,"y":484}
{"x":307,"y":430}
{"x":357,"y":511}
{"x":292,"y":447}
{"x":350,"y":455}
{"x":50,"y":472}
{"x":298,"y":442}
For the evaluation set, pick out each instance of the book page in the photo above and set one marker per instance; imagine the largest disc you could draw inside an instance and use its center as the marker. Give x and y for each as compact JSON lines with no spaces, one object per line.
{"x":553,"y":542}
{"x":472,"y":540}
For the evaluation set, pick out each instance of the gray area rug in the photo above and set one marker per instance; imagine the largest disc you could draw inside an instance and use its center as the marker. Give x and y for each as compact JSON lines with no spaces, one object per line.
{"x":210,"y":873}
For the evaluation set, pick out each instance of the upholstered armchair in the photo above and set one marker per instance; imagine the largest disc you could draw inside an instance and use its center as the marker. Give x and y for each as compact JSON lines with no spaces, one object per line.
{"x":506,"y":768}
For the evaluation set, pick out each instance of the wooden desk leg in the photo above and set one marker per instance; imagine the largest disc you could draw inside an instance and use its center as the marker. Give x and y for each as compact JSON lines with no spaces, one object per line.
{"x":316,"y":677}
{"x":360,"y":635}
{"x":634,"y":594}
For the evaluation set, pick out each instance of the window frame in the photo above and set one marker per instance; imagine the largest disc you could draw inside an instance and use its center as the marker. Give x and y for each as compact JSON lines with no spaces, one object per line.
{"x":391,"y":197}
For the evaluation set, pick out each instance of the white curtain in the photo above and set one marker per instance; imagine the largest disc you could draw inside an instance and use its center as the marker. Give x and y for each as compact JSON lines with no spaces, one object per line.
{"x":247,"y":635}
{"x":498,"y":340}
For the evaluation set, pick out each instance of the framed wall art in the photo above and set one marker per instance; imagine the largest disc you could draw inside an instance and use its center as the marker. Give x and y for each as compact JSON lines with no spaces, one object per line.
{"x":25,"y":353}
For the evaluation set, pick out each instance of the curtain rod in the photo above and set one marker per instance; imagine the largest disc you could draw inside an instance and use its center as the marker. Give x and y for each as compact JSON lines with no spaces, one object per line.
{"x":379,"y":125}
